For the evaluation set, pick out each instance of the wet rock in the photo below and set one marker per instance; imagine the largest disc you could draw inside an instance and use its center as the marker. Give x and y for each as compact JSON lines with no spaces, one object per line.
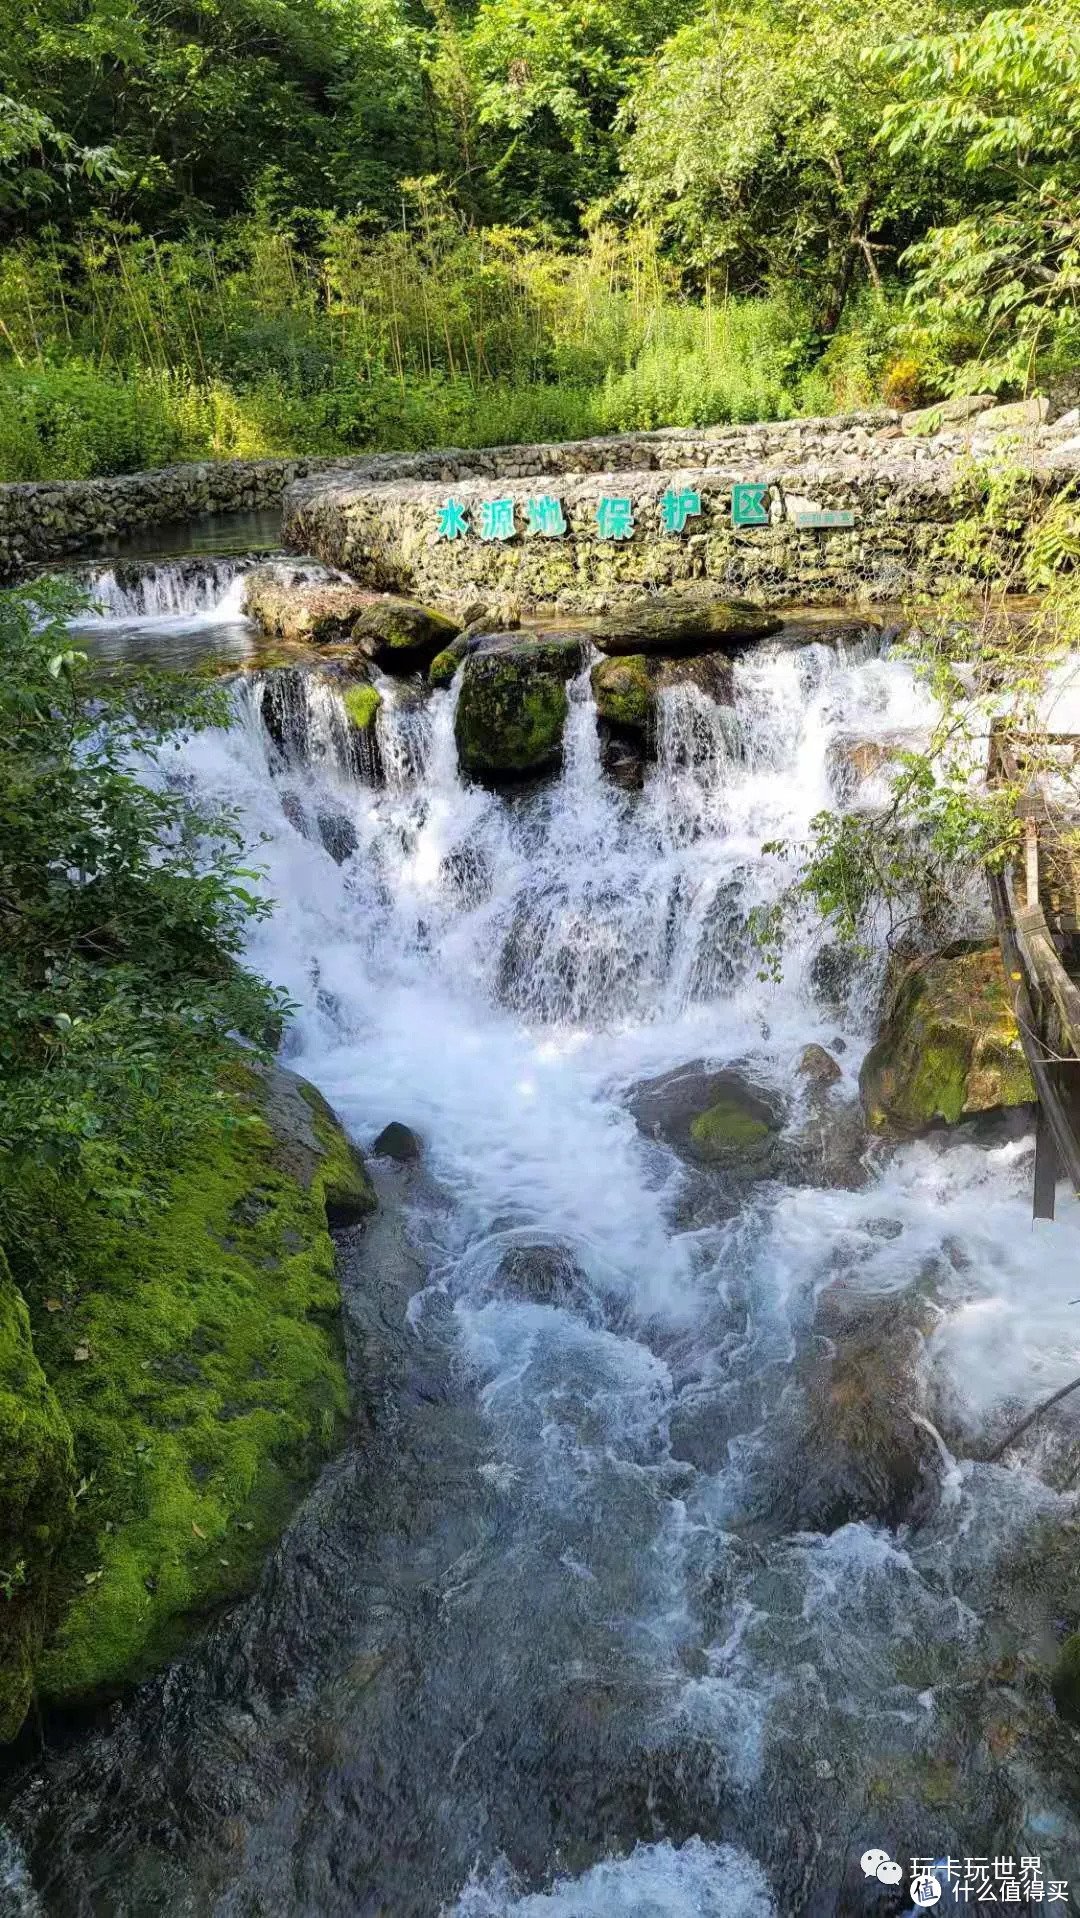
{"x":1065,"y":1682}
{"x":850,"y":761}
{"x":818,"y":1067}
{"x":293,"y":807}
{"x":298,"y":604}
{"x":397,"y":1141}
{"x":625,"y":693}
{"x":401,"y":634}
{"x":674,"y":624}
{"x":861,"y":1454}
{"x":833,"y":971}
{"x":513,"y":705}
{"x":545,"y":1274}
{"x":346,"y":729}
{"x":338,"y":835}
{"x":949,"y":1045}
{"x":715,"y":1118}
{"x":627,"y":688}
{"x":445,"y":664}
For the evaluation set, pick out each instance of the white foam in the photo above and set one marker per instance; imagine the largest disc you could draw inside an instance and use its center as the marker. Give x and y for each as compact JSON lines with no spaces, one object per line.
{"x":694,"y":1880}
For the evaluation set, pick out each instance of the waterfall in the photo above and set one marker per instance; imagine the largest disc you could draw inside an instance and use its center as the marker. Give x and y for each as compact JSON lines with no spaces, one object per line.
{"x":166,"y":589}
{"x":576,"y":1641}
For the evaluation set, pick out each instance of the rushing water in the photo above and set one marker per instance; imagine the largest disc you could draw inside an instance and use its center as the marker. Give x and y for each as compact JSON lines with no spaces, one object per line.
{"x":586,"y":1624}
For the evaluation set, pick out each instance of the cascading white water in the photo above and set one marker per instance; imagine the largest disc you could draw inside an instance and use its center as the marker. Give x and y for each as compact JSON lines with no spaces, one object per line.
{"x":499,"y":972}
{"x":167,"y":589}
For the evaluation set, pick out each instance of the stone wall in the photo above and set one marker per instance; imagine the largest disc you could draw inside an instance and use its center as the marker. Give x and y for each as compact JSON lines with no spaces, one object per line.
{"x":375,"y":514}
{"x":903,"y":491}
{"x":43,"y":520}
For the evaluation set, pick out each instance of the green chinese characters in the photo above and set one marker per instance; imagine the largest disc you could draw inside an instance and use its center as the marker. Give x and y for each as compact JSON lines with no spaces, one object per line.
{"x":677,"y":506}
{"x":615,"y":518}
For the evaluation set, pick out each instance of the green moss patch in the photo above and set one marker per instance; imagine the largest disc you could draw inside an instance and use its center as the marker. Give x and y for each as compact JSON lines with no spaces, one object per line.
{"x":362,"y":705}
{"x":198,"y":1361}
{"x":36,"y":1486}
{"x":727,"y":1131}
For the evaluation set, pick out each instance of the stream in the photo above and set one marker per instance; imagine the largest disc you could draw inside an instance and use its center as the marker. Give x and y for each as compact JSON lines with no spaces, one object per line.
{"x":595,"y":1618}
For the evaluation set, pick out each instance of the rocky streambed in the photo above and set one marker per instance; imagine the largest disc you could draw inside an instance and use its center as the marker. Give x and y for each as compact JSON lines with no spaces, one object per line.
{"x":660,"y":1562}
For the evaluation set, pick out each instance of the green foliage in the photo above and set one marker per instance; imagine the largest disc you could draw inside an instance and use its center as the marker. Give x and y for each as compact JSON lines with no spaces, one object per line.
{"x":987,"y":662}
{"x":122,"y":906}
{"x":998,"y":97}
{"x":753,"y":137}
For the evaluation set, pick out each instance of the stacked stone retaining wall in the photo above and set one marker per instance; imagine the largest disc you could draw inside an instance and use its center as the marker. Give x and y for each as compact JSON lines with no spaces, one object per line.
{"x":902,"y":493}
{"x":377,"y":515}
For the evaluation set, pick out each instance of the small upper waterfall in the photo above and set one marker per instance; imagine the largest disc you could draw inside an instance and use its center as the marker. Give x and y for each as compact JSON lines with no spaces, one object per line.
{"x":166,"y":589}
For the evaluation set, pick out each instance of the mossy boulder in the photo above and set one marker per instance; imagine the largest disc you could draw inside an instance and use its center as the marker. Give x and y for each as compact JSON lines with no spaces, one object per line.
{"x":302,"y":605}
{"x":716,"y":1118}
{"x":627,"y":688}
{"x":482,"y":626}
{"x":37,"y":1484}
{"x":401,"y":634}
{"x":197,"y":1360}
{"x":673,"y":624}
{"x":512,"y":705}
{"x":949,"y":1045}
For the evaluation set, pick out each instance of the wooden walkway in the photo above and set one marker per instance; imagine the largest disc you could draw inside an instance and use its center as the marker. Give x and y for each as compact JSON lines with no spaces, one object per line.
{"x":1037,"y":913}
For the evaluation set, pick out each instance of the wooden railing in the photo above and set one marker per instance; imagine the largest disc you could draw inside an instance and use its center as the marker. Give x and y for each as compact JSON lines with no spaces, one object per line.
{"x":1046,"y":1000}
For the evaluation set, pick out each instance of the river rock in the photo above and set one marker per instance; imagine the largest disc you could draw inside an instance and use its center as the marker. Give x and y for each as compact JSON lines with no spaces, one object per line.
{"x":673,"y":624}
{"x":627,"y":687}
{"x":1010,"y":418}
{"x":512,"y":705}
{"x":928,"y":420}
{"x":861,"y":1454}
{"x":717,"y":1118}
{"x":949,"y":1045}
{"x":547,"y":1275}
{"x":399,"y":1142}
{"x":818,"y":1067}
{"x":285,"y":709}
{"x":303,"y":606}
{"x":401,"y":634}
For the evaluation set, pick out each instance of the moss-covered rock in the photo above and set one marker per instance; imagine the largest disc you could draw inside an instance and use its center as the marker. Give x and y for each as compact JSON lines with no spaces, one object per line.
{"x":512,"y":706}
{"x":302,"y":606}
{"x":197,"y":1361}
{"x":627,"y":688}
{"x":363,"y":704}
{"x":674,"y":623}
{"x":625,"y":692}
{"x":713,"y":1117}
{"x":37,"y":1483}
{"x":401,"y":634}
{"x":949,"y":1045}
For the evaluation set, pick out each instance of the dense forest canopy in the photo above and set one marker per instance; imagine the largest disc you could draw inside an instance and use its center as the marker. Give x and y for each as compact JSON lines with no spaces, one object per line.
{"x":230,"y":225}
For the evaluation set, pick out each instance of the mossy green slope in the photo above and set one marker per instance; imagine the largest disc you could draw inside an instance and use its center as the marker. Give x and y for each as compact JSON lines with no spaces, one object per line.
{"x":198,"y":1361}
{"x":949,"y":1046}
{"x":36,"y":1487}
